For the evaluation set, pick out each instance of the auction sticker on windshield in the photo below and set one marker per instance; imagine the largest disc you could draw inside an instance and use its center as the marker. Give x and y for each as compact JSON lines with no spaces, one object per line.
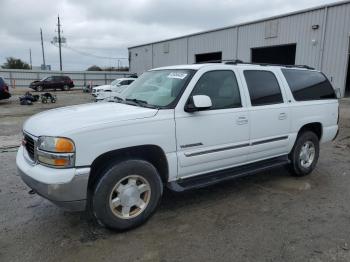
{"x":177,"y":75}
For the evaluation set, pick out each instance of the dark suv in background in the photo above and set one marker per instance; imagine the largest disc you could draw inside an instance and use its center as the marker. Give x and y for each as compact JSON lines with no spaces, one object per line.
{"x":4,"y":89}
{"x":53,"y":82}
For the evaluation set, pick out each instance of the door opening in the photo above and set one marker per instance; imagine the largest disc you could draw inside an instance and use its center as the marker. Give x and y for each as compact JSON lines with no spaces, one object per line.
{"x":282,"y":54}
{"x":347,"y":83}
{"x":208,"y":57}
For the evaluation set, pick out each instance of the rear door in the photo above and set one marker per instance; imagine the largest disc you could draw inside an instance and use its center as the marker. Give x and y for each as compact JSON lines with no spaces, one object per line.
{"x":269,"y":114}
{"x":217,"y":138}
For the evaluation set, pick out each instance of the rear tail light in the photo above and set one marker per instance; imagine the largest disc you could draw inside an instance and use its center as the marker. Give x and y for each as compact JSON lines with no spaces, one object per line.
{"x":6,"y":88}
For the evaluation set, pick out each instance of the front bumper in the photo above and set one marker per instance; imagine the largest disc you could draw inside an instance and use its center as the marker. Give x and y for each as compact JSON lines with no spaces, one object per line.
{"x":66,"y":188}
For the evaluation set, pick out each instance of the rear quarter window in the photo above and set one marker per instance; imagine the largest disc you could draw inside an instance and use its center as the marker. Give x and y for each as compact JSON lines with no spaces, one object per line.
{"x":308,"y":85}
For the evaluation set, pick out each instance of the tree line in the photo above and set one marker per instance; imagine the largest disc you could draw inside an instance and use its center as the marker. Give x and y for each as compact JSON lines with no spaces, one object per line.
{"x":16,"y":63}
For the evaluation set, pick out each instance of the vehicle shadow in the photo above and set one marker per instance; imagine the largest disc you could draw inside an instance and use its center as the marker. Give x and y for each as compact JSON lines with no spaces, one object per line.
{"x":174,"y":204}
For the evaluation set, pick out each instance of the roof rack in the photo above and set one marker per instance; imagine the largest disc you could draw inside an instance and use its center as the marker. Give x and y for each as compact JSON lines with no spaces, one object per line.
{"x":226,"y":61}
{"x":237,"y":61}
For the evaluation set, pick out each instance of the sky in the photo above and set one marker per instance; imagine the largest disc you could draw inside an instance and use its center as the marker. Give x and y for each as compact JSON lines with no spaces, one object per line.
{"x":98,"y":32}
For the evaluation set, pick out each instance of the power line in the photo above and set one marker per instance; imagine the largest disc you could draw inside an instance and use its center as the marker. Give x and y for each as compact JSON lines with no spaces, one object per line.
{"x":90,"y":54}
{"x":93,"y":55}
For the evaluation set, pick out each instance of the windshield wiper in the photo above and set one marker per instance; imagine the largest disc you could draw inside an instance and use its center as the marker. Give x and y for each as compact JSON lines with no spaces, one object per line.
{"x":116,"y":99}
{"x":141,"y":102}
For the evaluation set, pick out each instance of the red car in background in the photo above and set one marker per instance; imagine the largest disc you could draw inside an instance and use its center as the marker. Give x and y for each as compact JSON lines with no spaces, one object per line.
{"x":4,"y":89}
{"x":53,"y":82}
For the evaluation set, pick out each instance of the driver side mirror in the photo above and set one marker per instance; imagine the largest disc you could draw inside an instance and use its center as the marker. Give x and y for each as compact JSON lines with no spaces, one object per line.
{"x":198,"y":103}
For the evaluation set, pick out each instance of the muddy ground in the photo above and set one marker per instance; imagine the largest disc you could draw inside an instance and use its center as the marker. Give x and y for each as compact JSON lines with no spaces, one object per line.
{"x":268,"y":217}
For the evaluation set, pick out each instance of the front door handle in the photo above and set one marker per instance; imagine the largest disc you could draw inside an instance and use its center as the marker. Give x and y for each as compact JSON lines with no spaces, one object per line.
{"x":282,"y":116}
{"x":242,"y":120}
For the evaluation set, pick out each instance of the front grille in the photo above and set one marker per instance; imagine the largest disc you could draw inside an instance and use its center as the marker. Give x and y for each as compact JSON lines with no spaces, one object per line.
{"x":29,"y":145}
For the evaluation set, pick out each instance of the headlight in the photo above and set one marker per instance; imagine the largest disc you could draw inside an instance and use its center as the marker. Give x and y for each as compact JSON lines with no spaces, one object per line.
{"x":56,"y":151}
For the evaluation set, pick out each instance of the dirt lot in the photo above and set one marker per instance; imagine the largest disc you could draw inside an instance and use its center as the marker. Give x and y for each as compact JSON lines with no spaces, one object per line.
{"x":267,"y":217}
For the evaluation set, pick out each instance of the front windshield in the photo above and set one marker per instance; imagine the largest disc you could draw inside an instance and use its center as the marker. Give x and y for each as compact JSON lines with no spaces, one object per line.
{"x":115,"y":82}
{"x":159,"y":87}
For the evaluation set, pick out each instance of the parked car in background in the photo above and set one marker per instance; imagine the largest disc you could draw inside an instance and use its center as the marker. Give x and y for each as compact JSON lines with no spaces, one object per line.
{"x":53,"y":82}
{"x":88,"y":88}
{"x":108,"y":95}
{"x":181,"y":127}
{"x":114,"y":86}
{"x":4,"y":89}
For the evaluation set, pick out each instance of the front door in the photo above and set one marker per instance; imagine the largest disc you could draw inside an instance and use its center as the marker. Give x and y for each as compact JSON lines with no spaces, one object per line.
{"x":216,"y":138}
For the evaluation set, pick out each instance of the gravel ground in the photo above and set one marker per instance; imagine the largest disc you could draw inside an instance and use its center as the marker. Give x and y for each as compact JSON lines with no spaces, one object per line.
{"x":268,"y":217}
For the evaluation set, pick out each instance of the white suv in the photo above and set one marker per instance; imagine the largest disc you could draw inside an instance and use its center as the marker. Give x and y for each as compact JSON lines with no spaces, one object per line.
{"x":115,"y":86}
{"x":182,"y":127}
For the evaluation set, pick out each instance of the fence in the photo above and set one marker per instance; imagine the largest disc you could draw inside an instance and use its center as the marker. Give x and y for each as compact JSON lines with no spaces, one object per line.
{"x":22,"y":78}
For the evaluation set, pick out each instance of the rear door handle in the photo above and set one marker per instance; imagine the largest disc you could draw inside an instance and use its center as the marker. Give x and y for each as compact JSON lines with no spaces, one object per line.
{"x":242,"y":120}
{"x":282,"y":116}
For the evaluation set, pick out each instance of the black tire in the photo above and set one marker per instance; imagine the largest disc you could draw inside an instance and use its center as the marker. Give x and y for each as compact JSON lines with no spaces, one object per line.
{"x":65,"y":88}
{"x":39,"y":88}
{"x":298,"y":167}
{"x":102,"y":193}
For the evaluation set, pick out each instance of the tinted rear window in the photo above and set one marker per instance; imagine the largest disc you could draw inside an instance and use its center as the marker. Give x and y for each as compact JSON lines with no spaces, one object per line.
{"x":308,"y":85}
{"x":263,"y":87}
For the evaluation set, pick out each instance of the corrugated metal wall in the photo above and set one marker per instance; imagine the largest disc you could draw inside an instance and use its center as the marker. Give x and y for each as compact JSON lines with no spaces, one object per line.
{"x":219,"y":41}
{"x":141,"y":58}
{"x":324,"y":48}
{"x":335,"y":55}
{"x":22,"y":78}
{"x":291,"y":29}
{"x":170,"y":53}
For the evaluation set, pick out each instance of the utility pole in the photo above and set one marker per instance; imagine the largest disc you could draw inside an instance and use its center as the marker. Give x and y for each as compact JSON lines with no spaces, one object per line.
{"x":42,"y":48}
{"x":59,"y":40}
{"x":30,"y":58}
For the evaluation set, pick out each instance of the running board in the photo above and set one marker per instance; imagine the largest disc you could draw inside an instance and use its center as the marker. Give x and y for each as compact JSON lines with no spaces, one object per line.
{"x":227,"y":174}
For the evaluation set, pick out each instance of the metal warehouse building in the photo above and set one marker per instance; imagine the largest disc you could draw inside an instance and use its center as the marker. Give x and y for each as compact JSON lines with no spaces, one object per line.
{"x":318,"y":37}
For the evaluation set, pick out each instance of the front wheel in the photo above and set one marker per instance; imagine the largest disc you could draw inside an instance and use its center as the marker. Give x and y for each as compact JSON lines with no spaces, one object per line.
{"x":127,"y":194}
{"x":305,"y":153}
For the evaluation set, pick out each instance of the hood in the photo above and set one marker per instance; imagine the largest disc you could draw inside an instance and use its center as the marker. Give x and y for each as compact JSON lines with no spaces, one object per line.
{"x":59,"y":121}
{"x":102,"y":87}
{"x":35,"y":82}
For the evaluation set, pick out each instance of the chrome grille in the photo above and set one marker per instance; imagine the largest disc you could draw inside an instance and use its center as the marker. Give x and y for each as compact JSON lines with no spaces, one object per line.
{"x":29,"y":145}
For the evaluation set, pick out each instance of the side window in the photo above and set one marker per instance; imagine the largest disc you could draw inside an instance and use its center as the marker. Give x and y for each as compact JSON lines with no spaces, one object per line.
{"x":49,"y":78}
{"x":263,"y":87}
{"x":222,"y":88}
{"x":308,"y":85}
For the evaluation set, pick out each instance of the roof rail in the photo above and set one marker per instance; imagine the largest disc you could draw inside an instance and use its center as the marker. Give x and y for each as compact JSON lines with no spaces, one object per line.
{"x":237,"y":61}
{"x":226,"y":61}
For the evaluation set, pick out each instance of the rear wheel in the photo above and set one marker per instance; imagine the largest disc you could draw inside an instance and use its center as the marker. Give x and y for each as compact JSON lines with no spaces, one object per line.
{"x":39,"y":88}
{"x":66,"y":88}
{"x":305,"y":153}
{"x":127,"y":194}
